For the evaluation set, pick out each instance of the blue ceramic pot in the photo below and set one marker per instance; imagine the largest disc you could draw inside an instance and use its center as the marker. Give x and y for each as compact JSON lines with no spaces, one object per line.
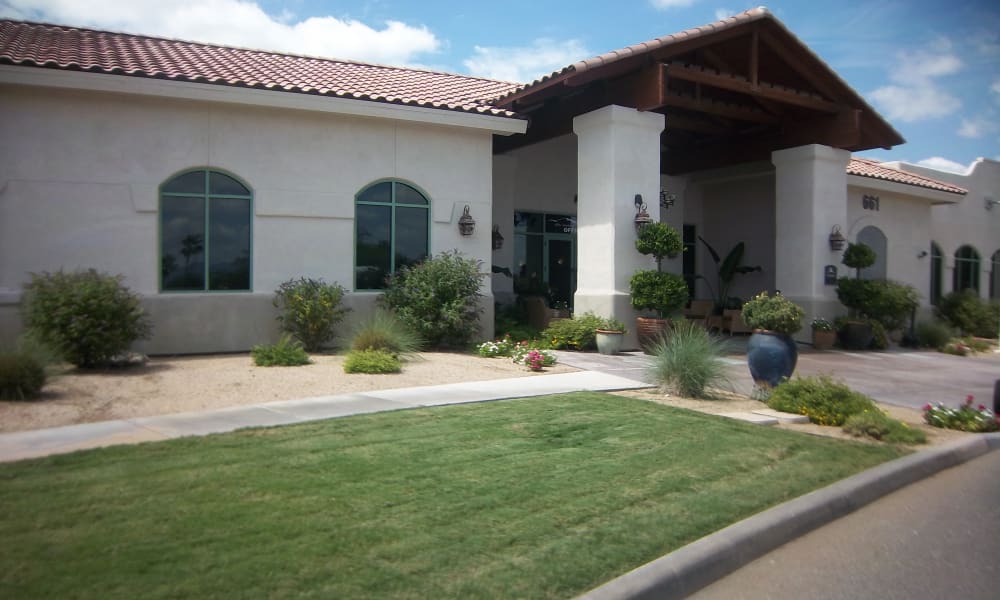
{"x":771,"y":357}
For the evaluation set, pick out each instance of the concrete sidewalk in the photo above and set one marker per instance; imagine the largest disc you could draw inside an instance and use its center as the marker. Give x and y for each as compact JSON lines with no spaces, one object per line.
{"x":59,"y":440}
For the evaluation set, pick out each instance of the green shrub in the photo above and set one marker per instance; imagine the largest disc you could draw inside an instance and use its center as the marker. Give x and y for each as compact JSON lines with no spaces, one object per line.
{"x":688,"y":360}
{"x":824,"y":401}
{"x":372,"y":362}
{"x":932,"y":334}
{"x":612,"y":324}
{"x":21,"y":376}
{"x":877,"y":425}
{"x":512,"y":320}
{"x":660,"y":241}
{"x":88,"y":317}
{"x":976,"y":419}
{"x":966,"y":311}
{"x":662,"y":293}
{"x":310,"y":308}
{"x":578,"y":333}
{"x":858,"y":256}
{"x":775,"y":313}
{"x":287,"y":352}
{"x":383,"y":330}
{"x":438,"y":299}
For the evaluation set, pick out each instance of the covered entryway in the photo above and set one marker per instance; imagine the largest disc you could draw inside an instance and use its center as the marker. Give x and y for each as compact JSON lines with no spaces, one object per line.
{"x":738,"y":127}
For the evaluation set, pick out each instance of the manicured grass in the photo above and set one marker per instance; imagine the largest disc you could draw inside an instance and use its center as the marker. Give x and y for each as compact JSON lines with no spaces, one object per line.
{"x":543,"y":497}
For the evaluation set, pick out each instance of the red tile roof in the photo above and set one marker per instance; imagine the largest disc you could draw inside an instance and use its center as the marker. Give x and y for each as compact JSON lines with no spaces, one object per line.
{"x":78,"y":49}
{"x":865,"y":167}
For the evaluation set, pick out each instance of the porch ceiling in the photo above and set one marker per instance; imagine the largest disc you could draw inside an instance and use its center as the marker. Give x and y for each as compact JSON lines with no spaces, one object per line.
{"x":732,"y":92}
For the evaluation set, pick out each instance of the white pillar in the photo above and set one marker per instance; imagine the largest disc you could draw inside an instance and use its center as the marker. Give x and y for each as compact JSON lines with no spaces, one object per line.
{"x":618,"y":156}
{"x":810,"y":199}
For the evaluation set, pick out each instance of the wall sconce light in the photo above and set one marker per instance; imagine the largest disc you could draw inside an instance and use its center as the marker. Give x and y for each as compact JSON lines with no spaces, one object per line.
{"x":667,"y":199}
{"x":837,"y":239}
{"x":922,"y":254}
{"x":497,"y":238}
{"x":642,"y":217}
{"x":990,"y":203}
{"x":466,"y":224}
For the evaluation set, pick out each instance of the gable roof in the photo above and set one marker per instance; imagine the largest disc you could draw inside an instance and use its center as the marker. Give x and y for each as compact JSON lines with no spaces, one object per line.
{"x":866,"y":167}
{"x":80,"y":49}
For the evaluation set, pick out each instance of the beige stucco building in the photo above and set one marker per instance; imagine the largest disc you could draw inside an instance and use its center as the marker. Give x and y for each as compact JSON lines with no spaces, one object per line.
{"x":207,"y":183}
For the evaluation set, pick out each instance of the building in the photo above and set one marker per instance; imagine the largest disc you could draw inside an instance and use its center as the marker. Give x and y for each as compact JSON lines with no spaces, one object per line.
{"x":207,"y":175}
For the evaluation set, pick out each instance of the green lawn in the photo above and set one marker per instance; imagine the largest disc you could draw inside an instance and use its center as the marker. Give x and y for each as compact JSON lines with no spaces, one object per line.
{"x":543,"y":497}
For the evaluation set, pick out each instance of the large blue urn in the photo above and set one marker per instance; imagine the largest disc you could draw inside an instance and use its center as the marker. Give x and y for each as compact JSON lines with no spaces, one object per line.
{"x":771,"y":357}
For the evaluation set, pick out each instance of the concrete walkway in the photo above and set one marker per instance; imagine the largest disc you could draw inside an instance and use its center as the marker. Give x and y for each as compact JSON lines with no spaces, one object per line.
{"x":59,"y":440}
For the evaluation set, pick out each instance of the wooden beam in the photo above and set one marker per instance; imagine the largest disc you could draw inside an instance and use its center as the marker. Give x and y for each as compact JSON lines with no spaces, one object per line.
{"x":691,"y":123}
{"x":812,"y":71}
{"x":737,"y":83}
{"x":719,"y":64}
{"x":754,"y":60}
{"x":731,"y":111}
{"x":643,"y":90}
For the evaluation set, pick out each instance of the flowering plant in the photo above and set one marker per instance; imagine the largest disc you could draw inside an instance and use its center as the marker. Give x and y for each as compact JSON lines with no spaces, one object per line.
{"x":977,"y":419}
{"x":821,"y":324}
{"x":500,"y":347}
{"x":534,"y":360}
{"x":956,"y":347}
{"x":523,"y":350}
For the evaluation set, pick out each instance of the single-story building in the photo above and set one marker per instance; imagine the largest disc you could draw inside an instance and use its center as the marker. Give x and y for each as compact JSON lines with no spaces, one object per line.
{"x":207,"y":175}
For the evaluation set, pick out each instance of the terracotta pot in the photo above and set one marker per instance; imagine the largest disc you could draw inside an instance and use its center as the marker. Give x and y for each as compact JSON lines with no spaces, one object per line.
{"x":856,"y":335}
{"x":771,"y":357}
{"x":609,"y":342}
{"x":649,"y":330}
{"x":823,"y":340}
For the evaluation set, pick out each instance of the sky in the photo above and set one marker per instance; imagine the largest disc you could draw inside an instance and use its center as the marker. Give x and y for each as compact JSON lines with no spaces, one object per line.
{"x":932,"y":68}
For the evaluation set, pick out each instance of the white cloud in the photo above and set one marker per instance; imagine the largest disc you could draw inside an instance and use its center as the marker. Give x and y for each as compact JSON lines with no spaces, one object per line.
{"x":916,"y":94}
{"x":240,"y":23}
{"x":995,"y":88}
{"x":526,"y":63}
{"x":723,"y":13}
{"x":943,"y":164}
{"x":979,"y":126}
{"x":668,"y":4}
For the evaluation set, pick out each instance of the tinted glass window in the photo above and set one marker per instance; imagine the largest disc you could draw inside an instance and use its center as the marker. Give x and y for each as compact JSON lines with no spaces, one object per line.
{"x":391,"y":231}
{"x":224,"y":185}
{"x":373,"y":234}
{"x":229,"y":233}
{"x":182,"y":256}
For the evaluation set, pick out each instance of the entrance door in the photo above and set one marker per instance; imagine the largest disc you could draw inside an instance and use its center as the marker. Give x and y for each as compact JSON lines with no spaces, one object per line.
{"x":560,"y":269}
{"x":545,"y":256}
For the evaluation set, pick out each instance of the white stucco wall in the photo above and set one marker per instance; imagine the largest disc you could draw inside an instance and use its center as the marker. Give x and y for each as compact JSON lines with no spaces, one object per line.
{"x":968,"y":221}
{"x":79,"y":173}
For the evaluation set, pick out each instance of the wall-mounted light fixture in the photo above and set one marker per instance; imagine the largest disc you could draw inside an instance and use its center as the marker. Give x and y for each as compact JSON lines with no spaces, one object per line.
{"x":642,"y":217}
{"x":667,"y":199}
{"x":497,"y":238}
{"x":466,"y":224}
{"x":990,"y":203}
{"x":922,"y":254}
{"x":837,"y":239}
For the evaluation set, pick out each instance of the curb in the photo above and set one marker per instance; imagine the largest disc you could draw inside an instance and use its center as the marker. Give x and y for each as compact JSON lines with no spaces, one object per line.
{"x":688,"y":569}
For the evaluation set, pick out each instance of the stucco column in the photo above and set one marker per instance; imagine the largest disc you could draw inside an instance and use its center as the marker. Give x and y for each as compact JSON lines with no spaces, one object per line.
{"x":810,"y":199}
{"x":618,"y":156}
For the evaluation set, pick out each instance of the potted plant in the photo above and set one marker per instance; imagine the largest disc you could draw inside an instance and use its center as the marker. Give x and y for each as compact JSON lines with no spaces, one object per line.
{"x":654,"y":290}
{"x":771,"y":352}
{"x":824,"y":334}
{"x":609,"y":336}
{"x":726,"y":271}
{"x":857,"y":333}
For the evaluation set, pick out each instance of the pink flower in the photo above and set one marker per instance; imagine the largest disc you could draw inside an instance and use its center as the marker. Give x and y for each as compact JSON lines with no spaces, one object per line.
{"x":969,"y":399}
{"x":927,"y":407}
{"x":981,"y":407}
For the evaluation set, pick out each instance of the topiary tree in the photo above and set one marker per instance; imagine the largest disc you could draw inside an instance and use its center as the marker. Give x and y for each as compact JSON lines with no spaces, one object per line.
{"x":663,"y":293}
{"x":438,"y":298}
{"x":660,"y":241}
{"x":88,"y":317}
{"x":858,"y":256}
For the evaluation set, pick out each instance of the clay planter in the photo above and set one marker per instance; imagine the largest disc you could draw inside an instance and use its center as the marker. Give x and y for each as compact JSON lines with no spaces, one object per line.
{"x":771,"y":357}
{"x":823,"y":340}
{"x":856,"y":335}
{"x":650,"y":330}
{"x":608,"y":341}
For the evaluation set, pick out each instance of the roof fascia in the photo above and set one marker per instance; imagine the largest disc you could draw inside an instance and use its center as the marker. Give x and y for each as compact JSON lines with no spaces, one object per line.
{"x":905,"y":189}
{"x":122,"y":84}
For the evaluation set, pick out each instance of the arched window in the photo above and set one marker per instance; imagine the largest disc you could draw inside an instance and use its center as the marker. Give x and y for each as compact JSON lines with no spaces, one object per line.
{"x":966,"y":274}
{"x":937,"y":272}
{"x":995,"y":276}
{"x":205,"y":221}
{"x":391,"y":230}
{"x":873,"y":237}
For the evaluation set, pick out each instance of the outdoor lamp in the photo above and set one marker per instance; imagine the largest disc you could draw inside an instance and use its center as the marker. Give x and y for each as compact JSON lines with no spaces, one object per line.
{"x":837,"y":239}
{"x":466,"y":224}
{"x":642,"y":217}
{"x":497,"y":238}
{"x":667,"y":199}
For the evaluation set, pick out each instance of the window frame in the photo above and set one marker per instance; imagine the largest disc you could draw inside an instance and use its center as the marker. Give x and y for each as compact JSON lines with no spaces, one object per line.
{"x":206,"y":197}
{"x":393,"y":205}
{"x":975,"y":261}
{"x":937,"y":274}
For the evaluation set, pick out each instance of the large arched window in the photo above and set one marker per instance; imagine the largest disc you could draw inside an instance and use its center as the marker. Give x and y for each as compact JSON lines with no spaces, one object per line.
{"x":205,"y":221}
{"x":937,"y":271}
{"x":873,"y":237}
{"x":995,"y":276}
{"x":966,"y":274}
{"x":391,"y":230}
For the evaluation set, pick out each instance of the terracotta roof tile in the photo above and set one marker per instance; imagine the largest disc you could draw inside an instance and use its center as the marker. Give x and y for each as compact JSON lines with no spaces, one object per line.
{"x":865,"y":167}
{"x":71,"y":48}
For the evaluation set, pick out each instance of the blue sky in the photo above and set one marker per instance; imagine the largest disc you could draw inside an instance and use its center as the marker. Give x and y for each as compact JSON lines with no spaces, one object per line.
{"x":931,"y":68}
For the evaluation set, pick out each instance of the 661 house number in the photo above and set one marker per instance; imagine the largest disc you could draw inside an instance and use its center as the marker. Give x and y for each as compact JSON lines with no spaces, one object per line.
{"x":869,"y":202}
